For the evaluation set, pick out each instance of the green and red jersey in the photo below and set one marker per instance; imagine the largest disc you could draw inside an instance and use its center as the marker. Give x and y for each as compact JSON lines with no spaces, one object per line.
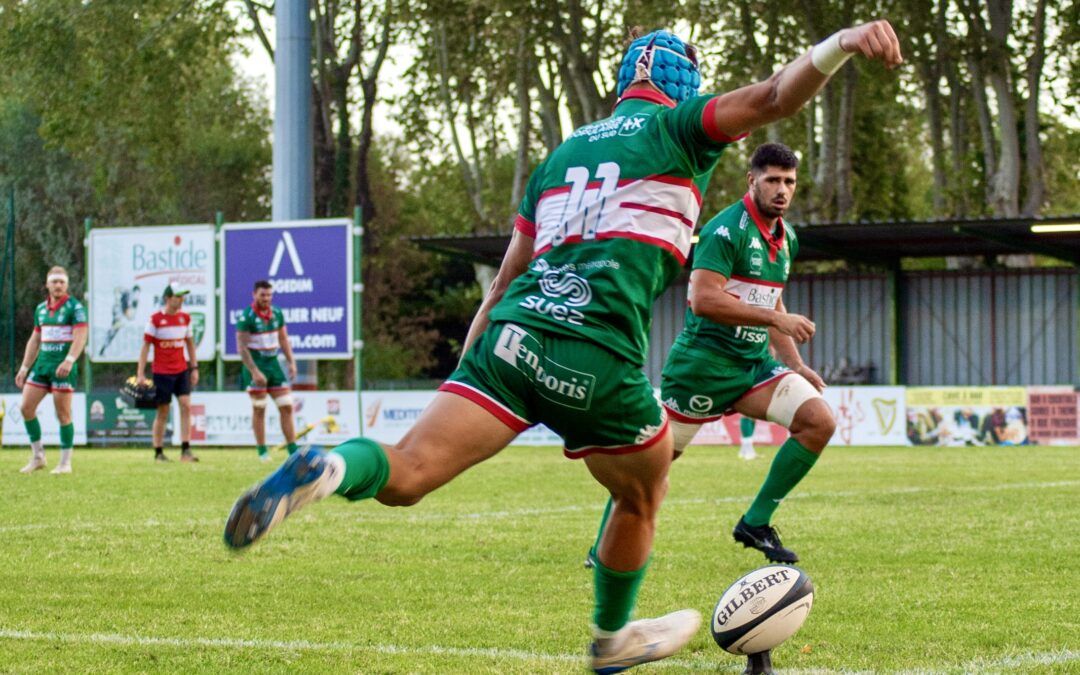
{"x":55,"y":322}
{"x":262,"y":329}
{"x":612,"y":211}
{"x":756,"y":260}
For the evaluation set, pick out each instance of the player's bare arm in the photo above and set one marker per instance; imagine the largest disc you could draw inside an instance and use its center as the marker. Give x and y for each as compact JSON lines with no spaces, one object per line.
{"x":144,"y":356}
{"x":30,"y":354}
{"x":193,"y":362}
{"x":257,"y":378}
{"x":783,"y":346}
{"x":710,"y":300}
{"x":78,"y":342}
{"x":514,"y":263}
{"x":788,"y":89}
{"x":286,"y":349}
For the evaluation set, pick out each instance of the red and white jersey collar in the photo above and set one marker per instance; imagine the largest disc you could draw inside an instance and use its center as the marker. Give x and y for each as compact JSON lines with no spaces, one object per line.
{"x":775,"y":242}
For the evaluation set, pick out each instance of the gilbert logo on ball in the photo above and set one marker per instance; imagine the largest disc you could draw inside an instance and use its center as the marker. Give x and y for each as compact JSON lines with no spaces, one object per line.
{"x":762,"y":609}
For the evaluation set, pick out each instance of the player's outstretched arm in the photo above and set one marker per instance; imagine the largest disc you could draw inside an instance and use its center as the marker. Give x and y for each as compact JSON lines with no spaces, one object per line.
{"x":788,"y":89}
{"x":514,"y":263}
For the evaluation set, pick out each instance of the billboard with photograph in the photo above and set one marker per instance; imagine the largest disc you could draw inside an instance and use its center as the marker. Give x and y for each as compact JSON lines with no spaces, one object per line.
{"x":131,"y":266}
{"x":954,"y":416}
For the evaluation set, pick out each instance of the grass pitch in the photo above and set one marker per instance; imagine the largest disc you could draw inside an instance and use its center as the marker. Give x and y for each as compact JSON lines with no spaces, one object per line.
{"x":925,"y":560}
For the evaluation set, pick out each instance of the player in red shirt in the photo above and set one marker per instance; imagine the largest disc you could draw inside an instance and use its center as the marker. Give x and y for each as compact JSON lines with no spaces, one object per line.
{"x":169,"y":331}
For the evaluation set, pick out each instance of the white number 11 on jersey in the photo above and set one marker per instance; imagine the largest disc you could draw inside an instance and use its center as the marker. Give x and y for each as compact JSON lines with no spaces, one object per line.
{"x":581,"y":200}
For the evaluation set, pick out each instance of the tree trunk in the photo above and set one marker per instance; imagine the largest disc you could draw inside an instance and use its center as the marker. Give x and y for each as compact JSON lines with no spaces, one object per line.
{"x":1035,"y":187}
{"x":929,"y":69}
{"x":1005,"y":196}
{"x":450,"y":117}
{"x":524,"y":103}
{"x":845,"y":199}
{"x":550,"y":120}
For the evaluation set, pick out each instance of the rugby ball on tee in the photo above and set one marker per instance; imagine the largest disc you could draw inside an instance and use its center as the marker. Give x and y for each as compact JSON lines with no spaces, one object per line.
{"x":762,"y":609}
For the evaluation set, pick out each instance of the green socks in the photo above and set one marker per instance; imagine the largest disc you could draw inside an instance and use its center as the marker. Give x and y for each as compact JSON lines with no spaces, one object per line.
{"x":616,"y":593}
{"x":33,"y":429}
{"x":293,"y":447}
{"x":262,"y":450}
{"x":746,"y":427}
{"x":367,"y":468}
{"x":792,"y":463}
{"x":67,"y":435}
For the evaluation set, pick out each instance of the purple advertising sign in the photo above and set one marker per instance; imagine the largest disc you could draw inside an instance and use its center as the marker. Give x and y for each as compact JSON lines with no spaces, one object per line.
{"x":309,"y":264}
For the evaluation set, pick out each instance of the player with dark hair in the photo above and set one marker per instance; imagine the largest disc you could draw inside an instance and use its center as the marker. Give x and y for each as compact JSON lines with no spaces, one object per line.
{"x":721,"y":362}
{"x":59,"y":336}
{"x":169,"y":332}
{"x":260,"y":335}
{"x":560,"y":338}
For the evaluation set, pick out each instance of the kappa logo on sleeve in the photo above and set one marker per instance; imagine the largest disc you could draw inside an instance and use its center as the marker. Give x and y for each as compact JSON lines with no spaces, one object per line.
{"x":722,"y":231}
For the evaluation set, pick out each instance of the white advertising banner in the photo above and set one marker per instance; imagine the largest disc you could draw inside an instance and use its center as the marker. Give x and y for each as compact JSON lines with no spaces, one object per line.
{"x":14,"y":433}
{"x":868,"y":415}
{"x":389,"y":414}
{"x":129,"y":270}
{"x":224,"y":418}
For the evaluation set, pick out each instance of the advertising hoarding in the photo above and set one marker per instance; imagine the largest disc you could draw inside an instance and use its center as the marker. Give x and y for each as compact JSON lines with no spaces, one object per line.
{"x":309,"y":264}
{"x":130,"y":268}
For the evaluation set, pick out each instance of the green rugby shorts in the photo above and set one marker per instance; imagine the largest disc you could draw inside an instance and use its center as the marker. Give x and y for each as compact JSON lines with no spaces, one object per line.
{"x":596,"y":401}
{"x":699,"y":386}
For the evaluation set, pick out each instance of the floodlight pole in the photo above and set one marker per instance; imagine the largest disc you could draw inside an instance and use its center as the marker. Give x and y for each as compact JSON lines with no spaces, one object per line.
{"x":294,"y":159}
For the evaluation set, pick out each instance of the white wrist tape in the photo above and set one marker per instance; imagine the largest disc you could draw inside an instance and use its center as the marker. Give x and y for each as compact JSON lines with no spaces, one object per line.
{"x":24,"y":369}
{"x":70,"y":359}
{"x":827,"y":56}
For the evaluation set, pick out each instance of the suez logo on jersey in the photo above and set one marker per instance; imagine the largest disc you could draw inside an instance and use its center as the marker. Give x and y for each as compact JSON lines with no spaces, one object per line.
{"x":560,"y":283}
{"x":559,"y":384}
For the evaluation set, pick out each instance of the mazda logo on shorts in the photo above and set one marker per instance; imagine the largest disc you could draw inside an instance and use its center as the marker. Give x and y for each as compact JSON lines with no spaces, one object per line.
{"x":699,"y":403}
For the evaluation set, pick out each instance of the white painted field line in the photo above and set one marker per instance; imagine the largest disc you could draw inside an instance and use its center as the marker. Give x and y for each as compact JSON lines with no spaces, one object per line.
{"x":555,"y":510}
{"x":693,"y":664}
{"x":721,"y":663}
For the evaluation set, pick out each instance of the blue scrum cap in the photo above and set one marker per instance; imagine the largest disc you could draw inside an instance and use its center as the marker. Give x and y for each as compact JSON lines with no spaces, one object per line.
{"x":664,"y":60}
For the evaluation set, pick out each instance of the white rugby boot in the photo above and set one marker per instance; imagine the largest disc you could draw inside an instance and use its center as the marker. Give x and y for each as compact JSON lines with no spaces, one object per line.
{"x":644,"y":641}
{"x":36,"y":463}
{"x":61,"y":468}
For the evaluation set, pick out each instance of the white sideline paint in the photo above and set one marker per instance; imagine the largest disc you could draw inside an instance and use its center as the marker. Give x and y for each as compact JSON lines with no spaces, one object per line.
{"x":556,"y":510}
{"x":694,"y":664}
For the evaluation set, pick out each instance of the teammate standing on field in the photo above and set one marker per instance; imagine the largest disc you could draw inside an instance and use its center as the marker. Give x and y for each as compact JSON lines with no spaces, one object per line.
{"x":169,"y":332}
{"x":260,"y":335}
{"x":58,"y":340}
{"x":560,"y":339}
{"x":721,"y":361}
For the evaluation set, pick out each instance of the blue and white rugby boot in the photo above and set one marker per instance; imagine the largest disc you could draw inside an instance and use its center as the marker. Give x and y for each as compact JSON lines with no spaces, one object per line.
{"x":644,"y":641}
{"x":306,"y":476}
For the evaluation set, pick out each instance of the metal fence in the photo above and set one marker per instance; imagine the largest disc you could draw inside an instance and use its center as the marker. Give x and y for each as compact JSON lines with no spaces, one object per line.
{"x":1003,"y":327}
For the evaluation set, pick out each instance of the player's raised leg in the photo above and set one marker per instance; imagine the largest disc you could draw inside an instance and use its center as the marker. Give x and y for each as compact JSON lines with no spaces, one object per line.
{"x":32,"y":396}
{"x":451,"y":435}
{"x":792,"y":402}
